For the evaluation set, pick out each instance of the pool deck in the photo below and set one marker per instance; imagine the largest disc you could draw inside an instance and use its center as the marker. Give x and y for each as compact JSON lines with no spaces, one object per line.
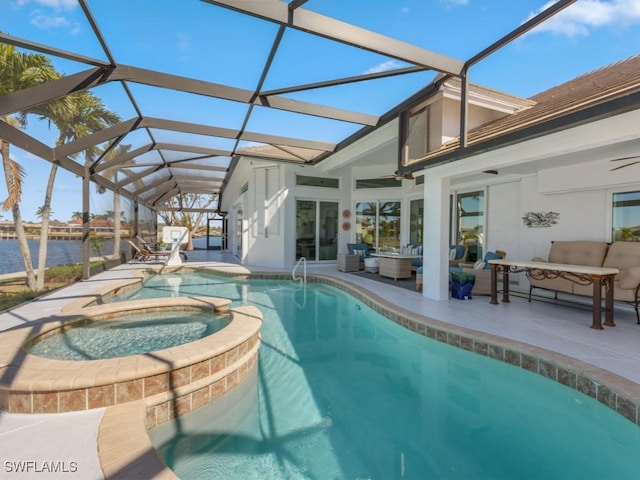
{"x":71,"y":438}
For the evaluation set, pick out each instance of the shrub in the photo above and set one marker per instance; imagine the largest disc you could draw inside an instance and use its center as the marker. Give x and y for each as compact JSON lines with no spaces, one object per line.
{"x":64,"y":273}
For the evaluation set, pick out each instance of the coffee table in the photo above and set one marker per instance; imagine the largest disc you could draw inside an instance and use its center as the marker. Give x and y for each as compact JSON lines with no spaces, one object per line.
{"x":394,"y":265}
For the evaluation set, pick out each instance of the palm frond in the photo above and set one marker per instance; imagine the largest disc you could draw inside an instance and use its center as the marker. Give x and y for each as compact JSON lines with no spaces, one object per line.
{"x":14,"y":185}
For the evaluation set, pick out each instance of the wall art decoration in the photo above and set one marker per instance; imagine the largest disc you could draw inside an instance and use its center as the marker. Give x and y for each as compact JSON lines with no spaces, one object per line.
{"x":540,"y":219}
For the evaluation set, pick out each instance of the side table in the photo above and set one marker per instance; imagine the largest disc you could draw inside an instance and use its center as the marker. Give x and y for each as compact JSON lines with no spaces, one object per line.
{"x":348,"y":262}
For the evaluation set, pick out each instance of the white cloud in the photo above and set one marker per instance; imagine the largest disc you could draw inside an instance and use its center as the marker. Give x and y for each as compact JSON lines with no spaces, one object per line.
{"x":52,"y":14}
{"x":453,"y":3}
{"x":58,"y":5}
{"x":584,"y":16}
{"x":384,"y":67}
{"x":40,"y":20}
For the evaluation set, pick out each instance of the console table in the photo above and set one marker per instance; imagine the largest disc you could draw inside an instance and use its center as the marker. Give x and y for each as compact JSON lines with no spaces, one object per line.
{"x":394,"y":265}
{"x":583,"y":275}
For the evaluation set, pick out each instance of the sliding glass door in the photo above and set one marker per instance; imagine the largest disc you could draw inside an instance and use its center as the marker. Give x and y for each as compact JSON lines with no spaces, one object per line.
{"x":470,"y":223}
{"x":316,"y":230}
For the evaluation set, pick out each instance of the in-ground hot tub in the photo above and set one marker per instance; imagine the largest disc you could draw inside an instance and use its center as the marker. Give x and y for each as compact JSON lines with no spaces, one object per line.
{"x":172,"y":381}
{"x":127,"y":333}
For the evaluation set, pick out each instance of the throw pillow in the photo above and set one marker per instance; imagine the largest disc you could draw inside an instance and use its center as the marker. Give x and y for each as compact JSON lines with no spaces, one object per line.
{"x":480,"y":265}
{"x":491,"y":256}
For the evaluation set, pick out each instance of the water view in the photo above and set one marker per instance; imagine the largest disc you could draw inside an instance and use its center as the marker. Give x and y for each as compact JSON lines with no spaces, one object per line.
{"x":60,"y":252}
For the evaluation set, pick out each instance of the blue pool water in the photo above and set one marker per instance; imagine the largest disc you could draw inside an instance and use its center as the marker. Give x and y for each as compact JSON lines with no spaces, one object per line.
{"x":129,"y":335}
{"x":344,"y":393}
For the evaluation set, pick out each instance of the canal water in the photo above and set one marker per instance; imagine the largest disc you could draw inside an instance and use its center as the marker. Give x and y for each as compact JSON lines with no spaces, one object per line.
{"x":59,"y":252}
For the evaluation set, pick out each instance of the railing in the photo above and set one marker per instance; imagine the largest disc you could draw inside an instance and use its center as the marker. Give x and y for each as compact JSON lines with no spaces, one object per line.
{"x":303,"y":282}
{"x":303,"y":279}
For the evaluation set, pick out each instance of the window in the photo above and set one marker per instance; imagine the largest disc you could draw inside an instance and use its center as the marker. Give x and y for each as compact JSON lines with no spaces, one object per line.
{"x":416,"y":217}
{"x":384,"y":182}
{"x":317,"y":181}
{"x":417,"y":144}
{"x":378,"y":224}
{"x":470,"y":223}
{"x":626,"y":217}
{"x":420,"y":180}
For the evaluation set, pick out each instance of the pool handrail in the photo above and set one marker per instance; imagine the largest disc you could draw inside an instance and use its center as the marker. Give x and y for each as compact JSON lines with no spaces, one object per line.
{"x":303,"y":279}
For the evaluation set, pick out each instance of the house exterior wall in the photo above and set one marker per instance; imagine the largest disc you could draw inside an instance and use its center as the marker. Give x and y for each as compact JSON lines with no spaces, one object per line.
{"x":341,"y":196}
{"x":545,"y":174}
{"x":584,"y":213}
{"x":270,"y":201}
{"x":263,"y":213}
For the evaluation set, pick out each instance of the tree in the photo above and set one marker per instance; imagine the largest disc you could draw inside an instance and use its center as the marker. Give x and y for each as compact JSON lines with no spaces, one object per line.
{"x":112,"y":174}
{"x":193,"y":221}
{"x":19,"y":71}
{"x":81,"y":114}
{"x":40,"y":212}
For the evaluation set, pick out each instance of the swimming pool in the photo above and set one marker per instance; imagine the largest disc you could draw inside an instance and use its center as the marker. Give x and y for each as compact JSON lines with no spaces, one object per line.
{"x":342,"y":392}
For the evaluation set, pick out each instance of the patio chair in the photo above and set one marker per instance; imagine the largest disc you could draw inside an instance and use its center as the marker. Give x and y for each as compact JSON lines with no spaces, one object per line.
{"x":457,"y":255}
{"x":144,"y":255}
{"x":361,"y":249}
{"x":482,"y":270}
{"x":144,"y":244}
{"x":145,"y":247}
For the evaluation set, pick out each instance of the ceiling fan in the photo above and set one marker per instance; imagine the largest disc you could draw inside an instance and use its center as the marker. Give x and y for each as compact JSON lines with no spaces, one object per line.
{"x":626,"y":164}
{"x":399,"y":176}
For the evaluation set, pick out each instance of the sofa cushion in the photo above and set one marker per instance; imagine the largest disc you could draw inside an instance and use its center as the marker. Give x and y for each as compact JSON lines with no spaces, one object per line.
{"x":578,"y":252}
{"x":627,"y":278}
{"x":623,"y":255}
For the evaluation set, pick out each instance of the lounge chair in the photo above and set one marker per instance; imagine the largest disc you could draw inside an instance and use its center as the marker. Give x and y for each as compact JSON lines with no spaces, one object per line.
{"x":145,"y":255}
{"x":149,"y":250}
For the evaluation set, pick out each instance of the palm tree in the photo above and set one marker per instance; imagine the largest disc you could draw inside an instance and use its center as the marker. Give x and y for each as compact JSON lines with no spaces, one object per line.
{"x":40,"y":212}
{"x":18,"y":71}
{"x":76,"y":216}
{"x":112,"y":174}
{"x":82,"y":115}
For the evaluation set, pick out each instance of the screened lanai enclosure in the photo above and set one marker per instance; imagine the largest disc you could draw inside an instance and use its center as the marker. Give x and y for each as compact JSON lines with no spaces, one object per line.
{"x":228,"y":80}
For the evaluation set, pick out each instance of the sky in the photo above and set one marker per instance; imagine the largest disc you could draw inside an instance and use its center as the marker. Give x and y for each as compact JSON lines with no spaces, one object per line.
{"x":198,"y":40}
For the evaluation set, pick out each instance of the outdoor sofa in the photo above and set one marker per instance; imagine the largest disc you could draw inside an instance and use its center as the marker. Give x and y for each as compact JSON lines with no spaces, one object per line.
{"x":625,"y":256}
